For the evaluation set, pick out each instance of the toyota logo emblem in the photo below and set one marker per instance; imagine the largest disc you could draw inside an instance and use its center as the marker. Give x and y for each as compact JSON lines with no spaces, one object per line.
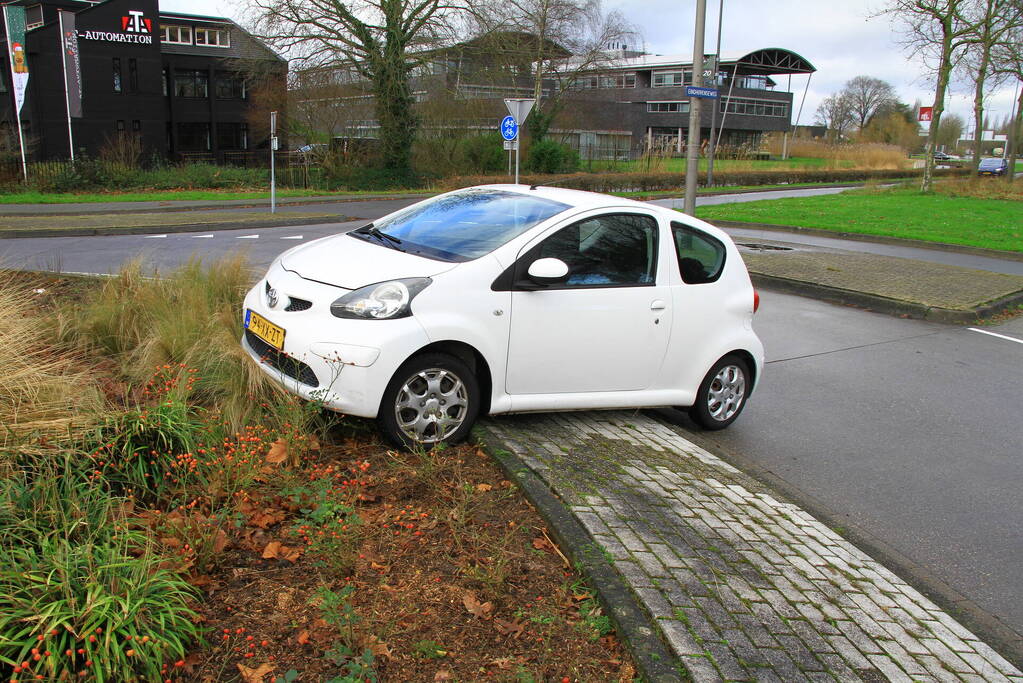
{"x":271,"y":297}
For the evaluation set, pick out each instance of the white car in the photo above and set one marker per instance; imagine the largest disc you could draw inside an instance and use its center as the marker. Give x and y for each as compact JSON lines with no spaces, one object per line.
{"x":506,"y":299}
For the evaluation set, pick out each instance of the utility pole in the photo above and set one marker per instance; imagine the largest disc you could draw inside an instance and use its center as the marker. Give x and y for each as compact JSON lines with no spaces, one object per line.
{"x":693,"y":146}
{"x":712,"y":146}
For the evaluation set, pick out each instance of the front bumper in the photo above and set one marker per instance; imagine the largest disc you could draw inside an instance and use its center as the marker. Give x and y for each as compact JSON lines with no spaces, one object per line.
{"x":345,"y":364}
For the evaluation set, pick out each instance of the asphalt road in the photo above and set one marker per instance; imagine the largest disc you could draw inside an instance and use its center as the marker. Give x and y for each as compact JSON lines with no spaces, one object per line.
{"x":906,"y":432}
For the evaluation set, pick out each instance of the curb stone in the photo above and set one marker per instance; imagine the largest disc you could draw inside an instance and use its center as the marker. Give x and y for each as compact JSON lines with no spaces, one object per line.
{"x":653,"y":659}
{"x":882,"y":304}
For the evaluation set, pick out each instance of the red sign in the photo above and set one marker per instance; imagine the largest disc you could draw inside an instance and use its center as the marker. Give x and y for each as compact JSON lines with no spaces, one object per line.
{"x":136,"y":23}
{"x":925,"y":114}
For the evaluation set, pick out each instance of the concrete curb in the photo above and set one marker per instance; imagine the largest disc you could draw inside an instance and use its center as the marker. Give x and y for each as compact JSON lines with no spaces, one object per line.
{"x":882,"y":304}
{"x":632,"y":623}
{"x":170,"y":229}
{"x":879,"y":239}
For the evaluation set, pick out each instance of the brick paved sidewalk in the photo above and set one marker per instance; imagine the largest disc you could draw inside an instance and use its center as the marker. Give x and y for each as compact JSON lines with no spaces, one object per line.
{"x":742,"y":586}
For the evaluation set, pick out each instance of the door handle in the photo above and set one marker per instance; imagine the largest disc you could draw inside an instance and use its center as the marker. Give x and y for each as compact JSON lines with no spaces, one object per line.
{"x":658,"y":305}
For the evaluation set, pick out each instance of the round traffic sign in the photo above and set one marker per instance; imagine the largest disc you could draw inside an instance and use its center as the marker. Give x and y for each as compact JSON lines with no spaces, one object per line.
{"x":509,"y":129}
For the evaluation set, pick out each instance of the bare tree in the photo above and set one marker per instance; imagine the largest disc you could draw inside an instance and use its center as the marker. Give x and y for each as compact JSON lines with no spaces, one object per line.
{"x":993,"y":22}
{"x":1008,"y":59}
{"x":865,"y":95}
{"x":380,"y":42}
{"x":937,"y":31}
{"x":836,"y":114}
{"x":893,"y":124}
{"x":569,"y":38}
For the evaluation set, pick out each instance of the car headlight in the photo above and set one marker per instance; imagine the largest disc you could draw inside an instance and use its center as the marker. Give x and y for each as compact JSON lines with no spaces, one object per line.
{"x":382,"y":301}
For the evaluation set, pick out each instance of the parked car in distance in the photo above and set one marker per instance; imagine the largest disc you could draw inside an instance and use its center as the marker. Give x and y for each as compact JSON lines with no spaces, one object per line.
{"x":993,"y":166}
{"x":510,"y":298}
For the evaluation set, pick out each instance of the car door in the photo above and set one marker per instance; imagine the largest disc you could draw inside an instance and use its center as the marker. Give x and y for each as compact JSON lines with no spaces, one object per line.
{"x":606,"y":326}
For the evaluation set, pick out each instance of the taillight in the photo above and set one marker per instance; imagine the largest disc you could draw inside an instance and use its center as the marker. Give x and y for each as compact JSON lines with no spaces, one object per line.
{"x":756,"y":300}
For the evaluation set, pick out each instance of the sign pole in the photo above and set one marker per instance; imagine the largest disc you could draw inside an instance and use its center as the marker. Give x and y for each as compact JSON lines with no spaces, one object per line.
{"x":273,"y":148}
{"x":518,"y":110}
{"x":693,"y":149}
{"x":67,"y":99}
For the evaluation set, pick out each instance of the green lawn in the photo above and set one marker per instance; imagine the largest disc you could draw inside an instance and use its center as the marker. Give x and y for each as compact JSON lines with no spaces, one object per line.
{"x":678,"y":165}
{"x":905,"y":213}
{"x":170,"y":195}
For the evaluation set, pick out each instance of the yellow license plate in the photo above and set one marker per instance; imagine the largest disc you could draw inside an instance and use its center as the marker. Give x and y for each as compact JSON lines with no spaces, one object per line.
{"x":264,"y":329}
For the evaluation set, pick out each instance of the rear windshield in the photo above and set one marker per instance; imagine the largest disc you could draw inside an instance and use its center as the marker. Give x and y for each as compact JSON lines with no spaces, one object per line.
{"x":466,"y":225}
{"x":990,"y":163}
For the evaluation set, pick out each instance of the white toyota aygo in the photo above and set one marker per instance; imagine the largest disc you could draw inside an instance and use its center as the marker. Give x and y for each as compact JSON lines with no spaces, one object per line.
{"x":506,"y":299}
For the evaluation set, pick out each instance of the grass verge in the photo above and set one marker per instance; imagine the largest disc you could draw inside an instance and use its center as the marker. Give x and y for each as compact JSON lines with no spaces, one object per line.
{"x":171,"y":196}
{"x":975,"y":213}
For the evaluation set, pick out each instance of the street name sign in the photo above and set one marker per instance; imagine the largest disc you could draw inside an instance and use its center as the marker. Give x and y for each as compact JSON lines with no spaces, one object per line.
{"x":702,"y":93}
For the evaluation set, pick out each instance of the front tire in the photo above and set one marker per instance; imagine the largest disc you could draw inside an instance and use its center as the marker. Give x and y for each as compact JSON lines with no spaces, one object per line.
{"x":722,"y":394}
{"x":432,"y":398}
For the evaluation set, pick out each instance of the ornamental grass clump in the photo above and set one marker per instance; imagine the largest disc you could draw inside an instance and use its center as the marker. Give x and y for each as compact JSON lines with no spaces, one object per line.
{"x":83,"y":595}
{"x":44,"y":389}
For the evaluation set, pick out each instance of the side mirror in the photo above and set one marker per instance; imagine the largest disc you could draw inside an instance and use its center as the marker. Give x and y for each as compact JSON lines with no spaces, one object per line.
{"x":548,"y":271}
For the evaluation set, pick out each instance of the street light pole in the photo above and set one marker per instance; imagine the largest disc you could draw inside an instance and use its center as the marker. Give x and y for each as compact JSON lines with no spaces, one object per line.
{"x":693,"y":146}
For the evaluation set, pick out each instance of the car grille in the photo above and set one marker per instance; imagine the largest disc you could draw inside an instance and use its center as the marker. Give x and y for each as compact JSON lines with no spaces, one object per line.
{"x":292,"y":367}
{"x":298,"y":304}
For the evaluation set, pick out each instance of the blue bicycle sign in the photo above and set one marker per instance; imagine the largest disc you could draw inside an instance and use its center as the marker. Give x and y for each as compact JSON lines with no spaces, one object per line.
{"x":509,"y":128}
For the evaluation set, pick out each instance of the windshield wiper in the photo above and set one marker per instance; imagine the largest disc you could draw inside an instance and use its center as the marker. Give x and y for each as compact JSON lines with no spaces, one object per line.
{"x":373,"y":231}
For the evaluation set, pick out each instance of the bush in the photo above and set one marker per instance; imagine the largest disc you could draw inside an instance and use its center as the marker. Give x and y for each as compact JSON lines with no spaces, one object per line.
{"x":482,"y":154}
{"x":548,"y":156}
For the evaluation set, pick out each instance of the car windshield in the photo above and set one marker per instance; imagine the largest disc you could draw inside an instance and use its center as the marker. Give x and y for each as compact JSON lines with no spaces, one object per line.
{"x":464,"y":225}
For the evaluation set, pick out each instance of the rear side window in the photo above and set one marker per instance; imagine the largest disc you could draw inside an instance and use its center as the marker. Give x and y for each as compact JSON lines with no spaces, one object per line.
{"x":701,"y":258}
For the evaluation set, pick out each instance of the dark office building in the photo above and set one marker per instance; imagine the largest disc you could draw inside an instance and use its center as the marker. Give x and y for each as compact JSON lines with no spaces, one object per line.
{"x":179,"y":84}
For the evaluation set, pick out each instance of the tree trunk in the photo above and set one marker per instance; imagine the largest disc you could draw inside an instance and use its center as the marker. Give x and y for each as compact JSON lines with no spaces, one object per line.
{"x":1014,"y":137}
{"x":944,"y":72}
{"x":978,"y":109}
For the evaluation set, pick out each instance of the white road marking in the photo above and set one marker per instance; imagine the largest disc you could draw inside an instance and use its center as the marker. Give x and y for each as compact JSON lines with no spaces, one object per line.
{"x":153,"y":237}
{"x":202,"y":237}
{"x":995,"y":334}
{"x":247,"y":237}
{"x":293,"y":237}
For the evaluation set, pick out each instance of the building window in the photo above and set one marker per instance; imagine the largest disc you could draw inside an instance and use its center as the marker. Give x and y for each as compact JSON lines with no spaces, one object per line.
{"x":166,"y":82}
{"x":232,"y":136}
{"x":133,"y":75}
{"x":176,"y":35}
{"x":230,"y":86}
{"x":213,"y":37}
{"x":191,"y":83}
{"x":193,"y":137}
{"x":667,"y":107}
{"x":753,"y":107}
{"x":136,"y":126}
{"x":120,"y":126}
{"x":666,"y":79}
{"x":3,"y":81}
{"x":33,"y":17}
{"x":117,"y":74}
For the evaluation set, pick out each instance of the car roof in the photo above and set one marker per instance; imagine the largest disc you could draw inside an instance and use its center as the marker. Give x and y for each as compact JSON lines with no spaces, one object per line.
{"x":574,"y":198}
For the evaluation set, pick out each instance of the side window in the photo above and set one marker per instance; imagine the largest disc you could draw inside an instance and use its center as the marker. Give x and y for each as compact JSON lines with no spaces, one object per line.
{"x":614,"y":250}
{"x":700,"y":256}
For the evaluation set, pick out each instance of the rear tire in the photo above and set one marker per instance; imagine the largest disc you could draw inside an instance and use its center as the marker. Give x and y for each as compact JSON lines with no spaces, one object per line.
{"x":722,"y":394}
{"x":432,"y":398}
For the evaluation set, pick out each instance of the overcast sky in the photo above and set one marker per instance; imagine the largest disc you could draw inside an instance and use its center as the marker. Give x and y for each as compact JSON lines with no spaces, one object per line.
{"x":838,"y":37}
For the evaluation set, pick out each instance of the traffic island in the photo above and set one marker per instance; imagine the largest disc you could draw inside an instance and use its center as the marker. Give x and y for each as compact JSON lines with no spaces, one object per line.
{"x":740,"y":585}
{"x":898,"y":286}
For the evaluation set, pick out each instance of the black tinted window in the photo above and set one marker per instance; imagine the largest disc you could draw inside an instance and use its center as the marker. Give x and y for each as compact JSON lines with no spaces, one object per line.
{"x":611,"y":250}
{"x":700,"y":256}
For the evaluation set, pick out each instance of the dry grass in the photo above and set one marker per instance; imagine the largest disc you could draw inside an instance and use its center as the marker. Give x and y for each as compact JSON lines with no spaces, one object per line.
{"x":859,"y":156}
{"x":982,"y":188}
{"x":191,"y":317}
{"x":44,"y":388}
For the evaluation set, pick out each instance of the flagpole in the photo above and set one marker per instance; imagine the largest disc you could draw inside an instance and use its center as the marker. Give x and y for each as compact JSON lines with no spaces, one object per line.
{"x":14,"y":91}
{"x":67,"y":98}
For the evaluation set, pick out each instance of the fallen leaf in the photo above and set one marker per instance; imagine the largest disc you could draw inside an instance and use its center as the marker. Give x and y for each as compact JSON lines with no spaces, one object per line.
{"x":541,"y":543}
{"x":200,"y":580}
{"x":377,"y":566}
{"x":219,"y":541}
{"x":579,"y":597}
{"x":484,"y":487}
{"x":302,"y":638}
{"x":255,"y":675}
{"x":378,"y":647}
{"x":171,"y":542}
{"x":278,"y":453}
{"x":512,"y":628}
{"x":442,"y":675}
{"x":366,"y":498}
{"x":502,"y":663}
{"x":476,"y":608}
{"x":271,"y":550}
